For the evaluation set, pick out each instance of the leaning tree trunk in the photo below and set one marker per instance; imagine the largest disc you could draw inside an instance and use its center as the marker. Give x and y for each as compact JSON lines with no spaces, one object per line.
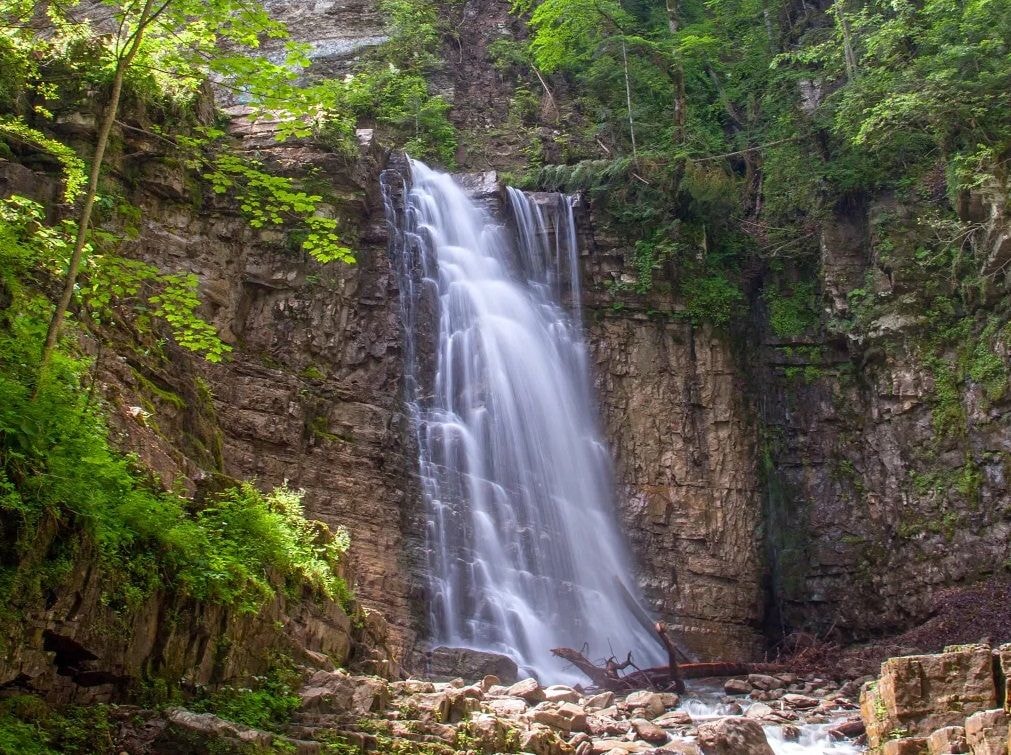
{"x":84,"y":218}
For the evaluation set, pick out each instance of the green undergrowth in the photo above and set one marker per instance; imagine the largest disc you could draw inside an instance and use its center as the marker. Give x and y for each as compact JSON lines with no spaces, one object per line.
{"x":717,"y":140}
{"x":66,"y":492}
{"x":267,"y":703}
{"x":29,"y":726}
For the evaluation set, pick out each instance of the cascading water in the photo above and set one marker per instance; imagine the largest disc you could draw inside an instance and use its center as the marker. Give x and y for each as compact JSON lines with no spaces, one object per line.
{"x":525,"y":553}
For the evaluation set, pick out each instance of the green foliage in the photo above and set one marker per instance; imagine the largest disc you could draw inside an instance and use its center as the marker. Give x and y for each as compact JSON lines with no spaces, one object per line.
{"x":783,"y":119}
{"x":984,"y":365}
{"x":569,"y":32}
{"x":270,"y":200}
{"x":935,"y":69}
{"x":109,"y":283}
{"x":58,"y":469}
{"x":712,"y":298}
{"x":415,"y":32}
{"x":251,"y":536}
{"x":793,"y":314}
{"x":29,"y":726}
{"x":12,"y":128}
{"x":268,"y":704}
{"x":184,"y":44}
{"x":391,"y":88}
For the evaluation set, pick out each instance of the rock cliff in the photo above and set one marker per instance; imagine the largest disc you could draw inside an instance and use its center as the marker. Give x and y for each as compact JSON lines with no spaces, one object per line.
{"x":833,"y":479}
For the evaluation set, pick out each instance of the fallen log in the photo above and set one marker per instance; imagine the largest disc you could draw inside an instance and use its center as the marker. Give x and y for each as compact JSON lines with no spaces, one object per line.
{"x":658,"y":677}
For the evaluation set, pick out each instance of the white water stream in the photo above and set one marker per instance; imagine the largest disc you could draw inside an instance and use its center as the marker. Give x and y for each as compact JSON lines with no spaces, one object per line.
{"x":704,"y":702}
{"x":525,"y":553}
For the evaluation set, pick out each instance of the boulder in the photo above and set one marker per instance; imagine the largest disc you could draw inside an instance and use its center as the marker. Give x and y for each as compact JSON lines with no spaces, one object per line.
{"x":490,"y":681}
{"x":445,"y":663}
{"x":673,"y":718}
{"x":906,"y":746}
{"x":669,"y":700}
{"x":790,"y":732}
{"x":566,"y":717}
{"x":205,"y":732}
{"x":559,"y":693}
{"x":431,"y":706}
{"x":528,"y":689}
{"x":681,"y":747}
{"x":618,"y":747}
{"x":1002,"y":659}
{"x":947,"y":741}
{"x":759,"y":711}
{"x":540,"y":740}
{"x":987,"y":732}
{"x":340,"y":692}
{"x":765,"y":682}
{"x":507,"y":706}
{"x":650,"y":702}
{"x":847,"y":729}
{"x":578,"y":739}
{"x":412,"y":686}
{"x":800,"y":701}
{"x":649,"y":731}
{"x":489,"y":734}
{"x":736,"y":686}
{"x":605,"y":726}
{"x":919,"y":694}
{"x":733,"y":736}
{"x":599,"y":702}
{"x":463,"y":702}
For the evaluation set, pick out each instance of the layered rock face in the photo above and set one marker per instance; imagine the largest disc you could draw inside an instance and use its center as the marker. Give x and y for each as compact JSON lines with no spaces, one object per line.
{"x":833,"y":480}
{"x":685,"y":445}
{"x":887,"y":433}
{"x":311,"y":393}
{"x":951,"y":702}
{"x":835,"y":500}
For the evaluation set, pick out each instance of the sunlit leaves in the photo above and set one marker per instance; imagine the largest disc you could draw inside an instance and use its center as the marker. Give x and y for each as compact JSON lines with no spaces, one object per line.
{"x":270,"y":200}
{"x":568,"y":33}
{"x":177,"y":303}
{"x":73,"y":167}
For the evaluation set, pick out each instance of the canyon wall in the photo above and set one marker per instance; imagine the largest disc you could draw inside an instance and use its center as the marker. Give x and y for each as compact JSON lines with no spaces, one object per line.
{"x":685,"y":443}
{"x":887,"y":432}
{"x":831,"y":482}
{"x":311,"y":393}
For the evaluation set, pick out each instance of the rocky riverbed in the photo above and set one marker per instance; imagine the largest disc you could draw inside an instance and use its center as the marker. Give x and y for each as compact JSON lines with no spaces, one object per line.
{"x":763,"y":714}
{"x":936,"y":704}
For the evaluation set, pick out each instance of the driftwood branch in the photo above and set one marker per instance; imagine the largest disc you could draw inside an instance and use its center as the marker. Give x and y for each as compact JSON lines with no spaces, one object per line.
{"x":673,"y":671}
{"x":658,"y":677}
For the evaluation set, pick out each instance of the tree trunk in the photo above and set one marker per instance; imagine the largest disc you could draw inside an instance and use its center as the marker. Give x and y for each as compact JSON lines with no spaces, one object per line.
{"x":680,"y":104}
{"x":848,"y":51}
{"x":84,"y":218}
{"x":672,"y":658}
{"x":628,"y":102}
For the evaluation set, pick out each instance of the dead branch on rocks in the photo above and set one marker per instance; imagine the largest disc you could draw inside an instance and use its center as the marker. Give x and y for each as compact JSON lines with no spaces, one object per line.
{"x":673,"y":669}
{"x":670,"y":677}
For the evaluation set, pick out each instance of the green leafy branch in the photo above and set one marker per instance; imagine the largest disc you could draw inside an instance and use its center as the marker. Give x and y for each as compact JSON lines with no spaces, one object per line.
{"x":270,"y":200}
{"x":73,"y":167}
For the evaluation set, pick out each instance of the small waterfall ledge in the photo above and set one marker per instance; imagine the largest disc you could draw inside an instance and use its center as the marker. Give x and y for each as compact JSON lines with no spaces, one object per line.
{"x":523,"y":546}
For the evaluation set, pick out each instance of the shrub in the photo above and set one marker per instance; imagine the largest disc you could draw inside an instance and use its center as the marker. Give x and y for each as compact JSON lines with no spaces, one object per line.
{"x":64,"y":485}
{"x":711,"y":298}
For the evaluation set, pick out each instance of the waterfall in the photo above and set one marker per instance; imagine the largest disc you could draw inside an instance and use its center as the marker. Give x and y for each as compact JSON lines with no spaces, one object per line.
{"x":524,"y":549}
